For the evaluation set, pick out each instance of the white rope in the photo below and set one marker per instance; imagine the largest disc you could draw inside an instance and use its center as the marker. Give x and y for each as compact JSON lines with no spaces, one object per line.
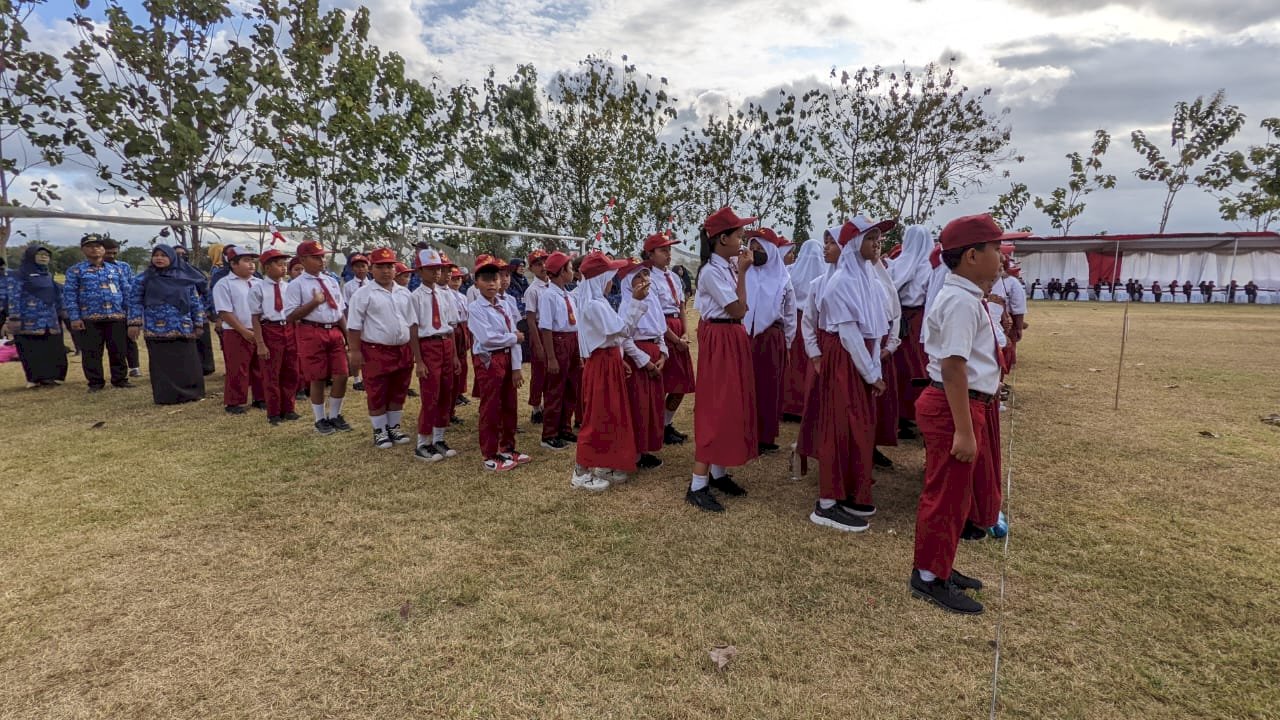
{"x":1004,"y":565}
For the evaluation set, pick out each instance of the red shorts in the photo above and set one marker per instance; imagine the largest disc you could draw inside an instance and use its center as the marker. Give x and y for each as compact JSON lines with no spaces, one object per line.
{"x":322,"y":353}
{"x":387,"y":369}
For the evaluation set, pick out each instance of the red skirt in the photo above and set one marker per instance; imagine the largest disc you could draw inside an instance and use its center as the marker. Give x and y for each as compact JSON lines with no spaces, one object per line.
{"x":677,"y":374}
{"x":607,"y":439}
{"x":910,"y":361}
{"x":887,"y":404}
{"x":724,"y":414}
{"x":795,"y":380}
{"x":768,"y":362}
{"x":646,"y":401}
{"x":847,"y":419}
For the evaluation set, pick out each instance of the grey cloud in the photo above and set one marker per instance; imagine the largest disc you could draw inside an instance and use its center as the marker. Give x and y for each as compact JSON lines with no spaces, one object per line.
{"x":1233,"y":15}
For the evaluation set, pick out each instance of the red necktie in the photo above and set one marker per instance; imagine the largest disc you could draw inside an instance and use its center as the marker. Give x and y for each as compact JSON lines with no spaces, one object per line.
{"x":569,"y":307}
{"x":503,"y":313}
{"x":435,"y":311}
{"x":279,"y":300}
{"x":675,"y":298}
{"x":328,"y":298}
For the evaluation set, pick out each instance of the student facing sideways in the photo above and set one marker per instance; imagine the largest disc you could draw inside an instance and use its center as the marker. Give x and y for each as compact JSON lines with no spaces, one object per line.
{"x":537,"y":361}
{"x":677,"y":373}
{"x":557,"y":327}
{"x":771,"y":324}
{"x":646,"y":355}
{"x":497,"y":362}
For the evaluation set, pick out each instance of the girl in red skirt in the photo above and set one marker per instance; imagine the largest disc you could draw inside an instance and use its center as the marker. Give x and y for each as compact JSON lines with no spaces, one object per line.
{"x":724,"y":416}
{"x":807,"y":438}
{"x":771,"y":323}
{"x":911,"y":272}
{"x":677,"y":373}
{"x":809,"y":266}
{"x":646,"y":352}
{"x":887,"y":403}
{"x":607,"y":444}
{"x":853,"y":321}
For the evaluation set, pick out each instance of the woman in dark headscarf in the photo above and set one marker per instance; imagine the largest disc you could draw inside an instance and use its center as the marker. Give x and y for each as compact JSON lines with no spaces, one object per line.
{"x":166,"y":309}
{"x":34,"y":306}
{"x":204,"y":340}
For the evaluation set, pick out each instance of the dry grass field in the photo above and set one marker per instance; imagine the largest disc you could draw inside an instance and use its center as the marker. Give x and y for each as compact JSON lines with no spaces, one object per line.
{"x":183,"y":563}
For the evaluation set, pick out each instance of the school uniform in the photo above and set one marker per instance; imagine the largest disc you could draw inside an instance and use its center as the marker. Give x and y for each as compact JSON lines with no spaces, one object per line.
{"x":382,"y":316}
{"x":677,"y":375}
{"x":809,"y":266}
{"x":322,"y":344}
{"x":239,"y":356}
{"x":558,"y":315}
{"x":988,"y":496}
{"x":350,"y":287}
{"x":771,"y":324}
{"x":724,"y":415}
{"x":280,"y":378}
{"x":462,"y":340}
{"x":643,"y":346}
{"x":436,"y":316}
{"x":495,"y":357}
{"x":911,"y":272}
{"x":537,"y":365}
{"x":96,"y":296}
{"x":607,"y":439}
{"x":886,"y":405}
{"x":810,"y":334}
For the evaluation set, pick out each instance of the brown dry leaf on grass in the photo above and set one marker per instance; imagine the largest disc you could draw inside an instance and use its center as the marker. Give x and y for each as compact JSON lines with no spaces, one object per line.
{"x":1272,"y":419}
{"x":1170,"y":387}
{"x":1094,"y":370}
{"x":722,"y":655}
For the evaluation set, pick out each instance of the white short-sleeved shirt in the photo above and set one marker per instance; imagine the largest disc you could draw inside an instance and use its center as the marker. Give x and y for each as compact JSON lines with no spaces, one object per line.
{"x":958,"y":326}
{"x":421,"y":312}
{"x":717,"y":288}
{"x":473,"y":294}
{"x":532,"y":296}
{"x":1016,"y":294}
{"x":263,"y":299}
{"x":381,"y":315}
{"x":299,"y":293}
{"x":553,"y":314}
{"x":667,"y":286}
{"x":234,"y":295}
{"x":353,"y":285}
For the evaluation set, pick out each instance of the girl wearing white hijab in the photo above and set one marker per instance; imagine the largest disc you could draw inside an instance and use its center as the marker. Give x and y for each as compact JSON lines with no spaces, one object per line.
{"x":771,"y":324}
{"x":646,"y":354}
{"x":809,"y":265}
{"x":606,"y":445}
{"x":853,"y":321}
{"x":911,"y":272}
{"x":887,"y":404}
{"x":806,"y":439}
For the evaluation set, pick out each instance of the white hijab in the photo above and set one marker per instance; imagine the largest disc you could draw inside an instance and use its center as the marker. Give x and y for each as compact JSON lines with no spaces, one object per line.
{"x":809,"y":266}
{"x":596,"y":318}
{"x":892,"y":305}
{"x":853,"y":294}
{"x":652,"y":316}
{"x":911,"y":270}
{"x":765,"y":287}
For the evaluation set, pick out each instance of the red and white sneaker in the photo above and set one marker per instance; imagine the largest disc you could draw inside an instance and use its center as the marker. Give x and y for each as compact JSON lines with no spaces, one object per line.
{"x":501,"y":463}
{"x":517,"y":457}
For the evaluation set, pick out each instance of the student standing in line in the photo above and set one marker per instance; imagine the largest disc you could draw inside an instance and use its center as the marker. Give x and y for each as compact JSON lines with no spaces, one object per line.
{"x":558,"y":338}
{"x":462,"y":335}
{"x":34,"y":306}
{"x":233,"y":302}
{"x":314,"y":301}
{"x":724,"y":416}
{"x":646,"y":354}
{"x":495,"y":355}
{"x":96,"y":304}
{"x":771,"y":324}
{"x":911,"y":272}
{"x":537,"y":360}
{"x":808,"y":266}
{"x":403,"y":274}
{"x":888,"y":423}
{"x":165,"y":308}
{"x":359,"y":266}
{"x":276,"y":338}
{"x":378,"y":319}
{"x":432,"y":324}
{"x":677,"y":373}
{"x":814,"y":342}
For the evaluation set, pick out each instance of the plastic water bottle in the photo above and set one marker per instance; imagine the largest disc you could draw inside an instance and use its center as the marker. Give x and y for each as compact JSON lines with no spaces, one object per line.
{"x":1000,"y":529}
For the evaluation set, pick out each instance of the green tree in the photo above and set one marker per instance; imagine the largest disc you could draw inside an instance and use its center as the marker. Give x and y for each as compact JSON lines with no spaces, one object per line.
{"x":841,"y":123}
{"x":168,"y":99}
{"x":1247,"y":184}
{"x":1065,"y":204}
{"x":1009,"y":206}
{"x":36,"y":127}
{"x":1199,"y":130}
{"x":804,"y":219}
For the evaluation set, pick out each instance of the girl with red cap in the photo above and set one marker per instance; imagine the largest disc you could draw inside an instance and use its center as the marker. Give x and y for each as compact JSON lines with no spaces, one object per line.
{"x":646,"y":353}
{"x":771,"y":323}
{"x":724,"y":416}
{"x":677,"y":372}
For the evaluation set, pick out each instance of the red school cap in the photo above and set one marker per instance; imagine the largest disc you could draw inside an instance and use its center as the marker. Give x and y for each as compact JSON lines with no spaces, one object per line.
{"x":597,"y":262}
{"x":974,"y":230}
{"x":270,"y":255}
{"x":724,"y":220}
{"x":380,"y":256}
{"x":657,"y":240}
{"x":555,"y":262}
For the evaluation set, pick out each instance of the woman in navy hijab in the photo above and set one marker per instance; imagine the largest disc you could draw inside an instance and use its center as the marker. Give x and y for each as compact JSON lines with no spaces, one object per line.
{"x":166,"y":309}
{"x":35,"y":303}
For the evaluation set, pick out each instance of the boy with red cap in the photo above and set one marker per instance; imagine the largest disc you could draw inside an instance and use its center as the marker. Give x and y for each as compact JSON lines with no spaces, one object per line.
{"x":724,"y":416}
{"x":558,"y":336}
{"x":274,"y":336}
{"x":232,"y":300}
{"x":537,"y":362}
{"x":495,"y":355}
{"x":677,"y":372}
{"x":360,"y":268}
{"x":964,"y":375}
{"x":432,"y":321}
{"x":771,"y":324}
{"x":646,"y":353}
{"x":606,"y":446}
{"x":403,"y":273}
{"x":378,"y":319}
{"x":314,"y":301}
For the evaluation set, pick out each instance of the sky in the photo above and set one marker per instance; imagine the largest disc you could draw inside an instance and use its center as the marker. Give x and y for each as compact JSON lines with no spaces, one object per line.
{"x":1062,"y":69}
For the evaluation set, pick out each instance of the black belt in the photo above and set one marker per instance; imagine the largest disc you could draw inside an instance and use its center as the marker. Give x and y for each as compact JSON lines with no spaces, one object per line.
{"x":673,"y":315}
{"x":981,"y":397}
{"x":446,"y":336}
{"x":724,"y":321}
{"x":503,"y":351}
{"x":265,"y":321}
{"x":648,"y":340}
{"x":325,"y":326}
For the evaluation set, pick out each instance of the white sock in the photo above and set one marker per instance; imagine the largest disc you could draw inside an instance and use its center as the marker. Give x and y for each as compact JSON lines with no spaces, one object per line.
{"x":318,"y":411}
{"x":699,"y":482}
{"x":423,"y":440}
{"x":393,"y":418}
{"x":437,"y":435}
{"x":379,"y":421}
{"x":668,"y":416}
{"x":335,"y":407}
{"x":926,"y":576}
{"x":826,"y":504}
{"x":717,"y":471}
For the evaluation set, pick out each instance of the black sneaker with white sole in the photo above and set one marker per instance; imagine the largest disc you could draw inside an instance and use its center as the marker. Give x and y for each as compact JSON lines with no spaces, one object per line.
{"x":703,"y":500}
{"x":382,"y":440}
{"x":671,"y":437}
{"x":726,"y":485}
{"x":836,"y":518}
{"x":324,"y":427}
{"x":648,"y":462}
{"x":339,"y":424}
{"x":972,"y":532}
{"x":445,"y":449}
{"x":858,"y":510}
{"x":945,"y":594}
{"x":535,"y":417}
{"x":398,"y":437}
{"x":569,"y":437}
{"x":554,"y":443}
{"x":429,"y":453}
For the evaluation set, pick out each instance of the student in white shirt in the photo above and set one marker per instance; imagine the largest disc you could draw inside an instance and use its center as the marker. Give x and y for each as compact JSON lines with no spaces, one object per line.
{"x":232,"y":302}
{"x":314,"y":301}
{"x":911,"y":271}
{"x":432,"y":324}
{"x":274,"y":336}
{"x":808,"y":266}
{"x":359,"y":268}
{"x":537,"y":361}
{"x":771,"y":324}
{"x":378,"y":321}
{"x":887,"y":425}
{"x":461,"y":335}
{"x":558,"y":338}
{"x":646,"y":354}
{"x":813,"y":339}
{"x":677,"y":373}
{"x":497,"y":361}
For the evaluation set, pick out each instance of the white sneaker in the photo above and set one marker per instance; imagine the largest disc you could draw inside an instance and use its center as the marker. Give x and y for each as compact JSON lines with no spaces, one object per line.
{"x":617,"y":477}
{"x":588,"y":481}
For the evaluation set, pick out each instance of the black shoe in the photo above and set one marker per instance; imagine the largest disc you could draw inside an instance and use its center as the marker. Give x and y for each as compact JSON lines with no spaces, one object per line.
{"x":302,"y":395}
{"x":766,"y":448}
{"x":234,"y":409}
{"x":125,"y":385}
{"x":703,"y":500}
{"x":259,"y":405}
{"x":907,"y":430}
{"x":428,"y":453}
{"x":945,"y":594}
{"x":290,"y":416}
{"x":554,"y":443}
{"x":648,"y":462}
{"x":569,"y":437}
{"x":865,"y":511}
{"x":455,"y":420}
{"x":382,"y":440}
{"x":836,"y":518}
{"x":358,"y":386}
{"x":880,"y":460}
{"x":96,"y":388}
{"x":964,"y":582}
{"x":972,"y":532}
{"x":726,"y":485}
{"x":339,"y":423}
{"x":397,"y":436}
{"x":462,"y":400}
{"x":412,"y":393}
{"x":274,"y":419}
{"x":445,"y":450}
{"x":671,"y":437}
{"x":789,"y":418}
{"x":324,"y":427}
{"x":536,"y":417}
